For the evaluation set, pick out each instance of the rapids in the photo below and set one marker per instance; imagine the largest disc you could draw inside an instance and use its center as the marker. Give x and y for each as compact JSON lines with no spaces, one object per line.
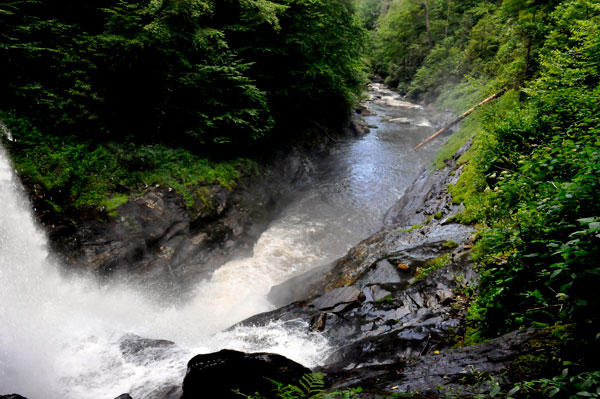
{"x":60,"y":335}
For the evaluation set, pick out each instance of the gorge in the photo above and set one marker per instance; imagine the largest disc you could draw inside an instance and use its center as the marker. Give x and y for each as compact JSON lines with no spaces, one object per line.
{"x":69,"y":330}
{"x":182,"y":176}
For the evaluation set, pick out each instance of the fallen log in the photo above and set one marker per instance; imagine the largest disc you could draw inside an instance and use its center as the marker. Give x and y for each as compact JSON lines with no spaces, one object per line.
{"x":460,"y":118}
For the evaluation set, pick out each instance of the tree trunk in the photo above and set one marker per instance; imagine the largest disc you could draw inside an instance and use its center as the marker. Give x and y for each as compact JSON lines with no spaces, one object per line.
{"x":529,"y":45}
{"x":447,"y":20}
{"x":460,"y":118}
{"x":427,"y":27}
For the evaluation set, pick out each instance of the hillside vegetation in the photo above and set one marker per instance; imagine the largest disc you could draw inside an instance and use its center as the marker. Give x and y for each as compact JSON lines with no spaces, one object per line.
{"x":106,"y":96}
{"x":531,"y":178}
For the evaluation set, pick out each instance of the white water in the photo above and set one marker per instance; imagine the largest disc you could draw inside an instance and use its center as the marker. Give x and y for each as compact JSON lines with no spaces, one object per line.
{"x":59,"y":337}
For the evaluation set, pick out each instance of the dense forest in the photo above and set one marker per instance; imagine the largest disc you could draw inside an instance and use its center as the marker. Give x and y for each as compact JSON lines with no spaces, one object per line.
{"x":106,"y":96}
{"x":530,"y":180}
{"x":108,"y":93}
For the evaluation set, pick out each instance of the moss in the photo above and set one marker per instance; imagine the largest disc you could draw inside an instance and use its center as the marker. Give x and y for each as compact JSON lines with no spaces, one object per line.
{"x":449,"y":244}
{"x":111,"y":204}
{"x":432,"y":265}
{"x":55,"y":207}
{"x":412,"y":228}
{"x":385,"y":299}
{"x":438,"y":215}
{"x":451,"y":146}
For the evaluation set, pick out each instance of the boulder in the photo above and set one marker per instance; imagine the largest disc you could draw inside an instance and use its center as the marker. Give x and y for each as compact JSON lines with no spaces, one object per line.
{"x":140,"y":350}
{"x":219,"y":374}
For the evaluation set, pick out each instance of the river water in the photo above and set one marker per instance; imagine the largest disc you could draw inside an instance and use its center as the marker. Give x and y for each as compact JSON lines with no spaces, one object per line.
{"x":60,"y":336}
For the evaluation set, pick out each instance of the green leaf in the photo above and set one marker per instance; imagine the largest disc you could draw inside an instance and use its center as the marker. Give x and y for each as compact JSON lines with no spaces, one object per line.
{"x":495,"y":391}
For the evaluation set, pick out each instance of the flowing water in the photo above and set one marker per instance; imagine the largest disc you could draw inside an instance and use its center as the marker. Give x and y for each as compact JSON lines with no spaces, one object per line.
{"x":60,"y":336}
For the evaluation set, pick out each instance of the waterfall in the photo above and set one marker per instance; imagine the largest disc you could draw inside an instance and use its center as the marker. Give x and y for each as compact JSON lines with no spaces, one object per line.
{"x":60,"y":336}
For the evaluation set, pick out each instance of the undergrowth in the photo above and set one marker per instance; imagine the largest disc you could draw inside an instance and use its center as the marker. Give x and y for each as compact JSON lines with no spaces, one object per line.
{"x":310,"y":386}
{"x":104,"y":176}
{"x":530,"y":182}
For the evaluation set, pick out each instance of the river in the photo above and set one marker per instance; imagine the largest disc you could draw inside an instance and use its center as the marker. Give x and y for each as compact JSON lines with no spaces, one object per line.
{"x":60,"y":336}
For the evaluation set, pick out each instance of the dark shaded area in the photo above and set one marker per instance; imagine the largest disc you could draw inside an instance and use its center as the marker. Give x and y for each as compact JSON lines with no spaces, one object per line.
{"x":248,"y":373}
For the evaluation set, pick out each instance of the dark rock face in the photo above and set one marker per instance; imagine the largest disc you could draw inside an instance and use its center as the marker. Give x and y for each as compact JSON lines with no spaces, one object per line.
{"x":457,"y":372}
{"x":217,"y":375}
{"x":12,"y":396}
{"x":157,"y":242}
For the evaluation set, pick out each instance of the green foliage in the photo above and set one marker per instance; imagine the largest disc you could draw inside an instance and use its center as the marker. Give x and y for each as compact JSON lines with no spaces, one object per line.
{"x":563,"y":386}
{"x":445,"y":43}
{"x":310,"y":386}
{"x":179,"y":72}
{"x":113,"y":203}
{"x":530,"y":181}
{"x":431,"y":266}
{"x":86,"y":175}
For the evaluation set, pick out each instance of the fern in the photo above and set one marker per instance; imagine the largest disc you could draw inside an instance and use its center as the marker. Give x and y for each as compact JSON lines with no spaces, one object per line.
{"x":310,"y":386}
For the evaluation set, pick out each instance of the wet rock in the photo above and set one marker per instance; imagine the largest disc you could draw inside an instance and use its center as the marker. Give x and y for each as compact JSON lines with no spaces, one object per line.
{"x":172,"y":392}
{"x":359,"y":127}
{"x":298,"y":287}
{"x":12,"y":396}
{"x":336,"y":297}
{"x":136,"y":348}
{"x":390,"y":322}
{"x":317,"y":323}
{"x":404,"y":121}
{"x":124,"y":396}
{"x":363,"y":111}
{"x":463,"y":371}
{"x":375,"y":293}
{"x":427,"y":195}
{"x":217,"y":375}
{"x":397,"y":246}
{"x":382,"y":272}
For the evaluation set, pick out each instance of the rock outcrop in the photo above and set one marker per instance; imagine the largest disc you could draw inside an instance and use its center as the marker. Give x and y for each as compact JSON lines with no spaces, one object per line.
{"x":220,"y":374}
{"x":158,"y":241}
